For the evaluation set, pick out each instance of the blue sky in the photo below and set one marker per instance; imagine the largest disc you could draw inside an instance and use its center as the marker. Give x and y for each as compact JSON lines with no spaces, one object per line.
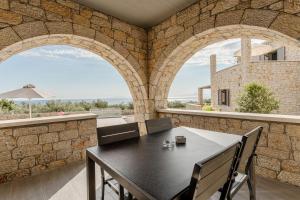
{"x":196,"y":72}
{"x":63,"y":71}
{"x":68,"y":72}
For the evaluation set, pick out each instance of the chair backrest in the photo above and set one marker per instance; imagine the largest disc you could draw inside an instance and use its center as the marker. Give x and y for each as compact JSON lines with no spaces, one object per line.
{"x":249,"y":144}
{"x":211,"y":175}
{"x":111,"y":134}
{"x":158,"y":125}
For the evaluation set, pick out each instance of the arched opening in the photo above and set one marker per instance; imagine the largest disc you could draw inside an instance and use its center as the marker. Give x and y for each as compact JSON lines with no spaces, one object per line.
{"x":174,"y":57}
{"x":191,"y":88}
{"x":126,"y":68}
{"x":74,"y":81}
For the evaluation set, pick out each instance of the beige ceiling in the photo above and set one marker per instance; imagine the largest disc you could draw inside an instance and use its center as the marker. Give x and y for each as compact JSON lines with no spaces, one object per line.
{"x":143,"y":13}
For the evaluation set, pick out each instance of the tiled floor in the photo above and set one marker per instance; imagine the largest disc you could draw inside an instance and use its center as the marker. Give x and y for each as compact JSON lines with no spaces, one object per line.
{"x":69,"y":183}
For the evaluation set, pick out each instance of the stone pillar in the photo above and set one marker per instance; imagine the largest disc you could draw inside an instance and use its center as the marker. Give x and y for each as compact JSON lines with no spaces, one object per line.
{"x":144,"y":110}
{"x":245,"y":58}
{"x":200,"y":96}
{"x":213,"y":66}
{"x":213,"y":70}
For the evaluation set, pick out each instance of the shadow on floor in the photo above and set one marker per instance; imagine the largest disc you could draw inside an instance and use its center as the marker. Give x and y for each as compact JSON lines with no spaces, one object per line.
{"x":70,"y":183}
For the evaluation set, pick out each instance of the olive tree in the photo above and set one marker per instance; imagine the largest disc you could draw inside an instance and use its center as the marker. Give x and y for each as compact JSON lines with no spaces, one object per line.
{"x":257,"y":98}
{"x":6,"y":105}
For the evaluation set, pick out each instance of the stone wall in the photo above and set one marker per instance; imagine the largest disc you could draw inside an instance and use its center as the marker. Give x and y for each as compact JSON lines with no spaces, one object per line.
{"x":229,"y":78}
{"x":45,"y":144}
{"x":20,"y":20}
{"x":292,"y":54}
{"x":25,"y":24}
{"x":149,"y":59}
{"x":279,"y":147}
{"x":176,"y":39}
{"x":283,"y":77}
{"x":10,"y":116}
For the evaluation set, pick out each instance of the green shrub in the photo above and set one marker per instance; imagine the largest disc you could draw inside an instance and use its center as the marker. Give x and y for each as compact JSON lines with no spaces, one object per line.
{"x":60,"y":106}
{"x":207,"y":107}
{"x":130,"y":106}
{"x":207,"y":101}
{"x":176,"y":104}
{"x":123,"y":106}
{"x":85,"y":105}
{"x":100,"y":104}
{"x":6,"y":105}
{"x":257,"y":98}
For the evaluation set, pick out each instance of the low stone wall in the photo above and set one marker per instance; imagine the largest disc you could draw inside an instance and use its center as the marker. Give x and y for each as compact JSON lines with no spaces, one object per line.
{"x":279,"y":147}
{"x":32,"y":146}
{"x":11,"y":116}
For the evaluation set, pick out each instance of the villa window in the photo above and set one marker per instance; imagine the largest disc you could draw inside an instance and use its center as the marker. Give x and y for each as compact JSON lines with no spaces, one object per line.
{"x":223,"y":97}
{"x":271,"y":56}
{"x":279,"y":54}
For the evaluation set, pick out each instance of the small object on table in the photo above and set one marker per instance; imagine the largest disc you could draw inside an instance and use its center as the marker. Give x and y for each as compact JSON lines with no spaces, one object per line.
{"x":180,"y":139}
{"x":168,"y":144}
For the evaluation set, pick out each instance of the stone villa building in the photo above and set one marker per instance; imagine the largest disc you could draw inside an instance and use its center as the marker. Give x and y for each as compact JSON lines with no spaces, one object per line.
{"x":277,"y":67}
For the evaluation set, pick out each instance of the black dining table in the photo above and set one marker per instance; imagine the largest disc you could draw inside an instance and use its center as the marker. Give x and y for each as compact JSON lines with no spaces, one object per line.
{"x":150,"y":171}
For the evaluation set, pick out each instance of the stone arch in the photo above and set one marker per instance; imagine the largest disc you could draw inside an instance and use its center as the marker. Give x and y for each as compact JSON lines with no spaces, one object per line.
{"x":177,"y":53}
{"x":126,"y":67}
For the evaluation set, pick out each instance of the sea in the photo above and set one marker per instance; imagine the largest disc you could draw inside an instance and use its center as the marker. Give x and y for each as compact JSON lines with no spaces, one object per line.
{"x":184,"y":99}
{"x":110,"y":101}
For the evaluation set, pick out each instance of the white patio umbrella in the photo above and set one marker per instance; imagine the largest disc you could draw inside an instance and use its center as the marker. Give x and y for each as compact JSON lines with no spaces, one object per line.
{"x":27,"y":92}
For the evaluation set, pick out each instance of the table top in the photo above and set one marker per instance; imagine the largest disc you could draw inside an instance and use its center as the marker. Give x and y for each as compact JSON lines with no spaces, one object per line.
{"x":162,"y":173}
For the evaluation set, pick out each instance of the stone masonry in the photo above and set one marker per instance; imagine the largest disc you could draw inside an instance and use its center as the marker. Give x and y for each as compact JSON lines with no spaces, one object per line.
{"x":26,"y":24}
{"x":282,"y":77}
{"x":176,"y":39}
{"x":149,"y":59}
{"x":279,"y":146}
{"x":33,"y":149}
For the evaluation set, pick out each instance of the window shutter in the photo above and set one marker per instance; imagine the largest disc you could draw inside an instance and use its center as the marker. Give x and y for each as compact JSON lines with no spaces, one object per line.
{"x":227,"y":97}
{"x":219,"y":97}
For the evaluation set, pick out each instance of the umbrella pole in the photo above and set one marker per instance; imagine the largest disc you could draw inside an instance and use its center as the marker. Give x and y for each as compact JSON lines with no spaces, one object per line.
{"x":29,"y":108}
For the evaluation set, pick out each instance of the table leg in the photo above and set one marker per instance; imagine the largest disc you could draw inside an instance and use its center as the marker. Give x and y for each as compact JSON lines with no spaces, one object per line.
{"x":129,"y":196}
{"x":121,"y":192}
{"x":90,"y":173}
{"x":252,"y":180}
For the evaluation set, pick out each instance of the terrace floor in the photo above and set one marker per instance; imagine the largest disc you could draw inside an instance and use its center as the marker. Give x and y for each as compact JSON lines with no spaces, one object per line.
{"x":70,"y":183}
